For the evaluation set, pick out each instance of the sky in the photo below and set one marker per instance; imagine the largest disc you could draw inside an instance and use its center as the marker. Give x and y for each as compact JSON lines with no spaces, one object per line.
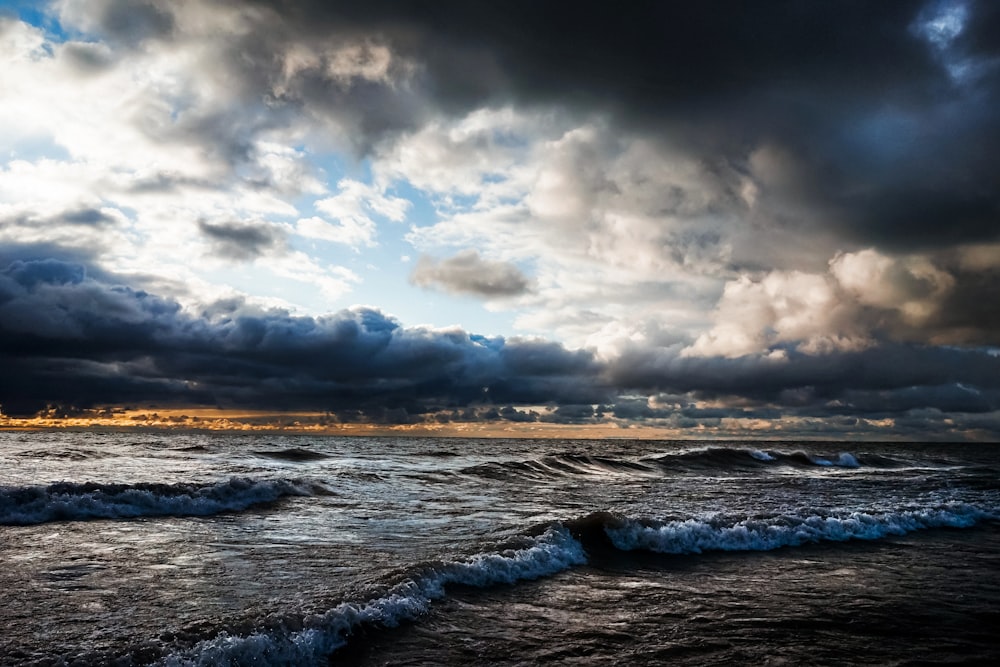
{"x":709,"y":219}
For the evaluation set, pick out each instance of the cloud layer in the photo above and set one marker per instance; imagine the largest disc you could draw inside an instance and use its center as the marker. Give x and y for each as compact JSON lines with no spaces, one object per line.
{"x":76,"y":340}
{"x":71,"y":339}
{"x":785,"y":213}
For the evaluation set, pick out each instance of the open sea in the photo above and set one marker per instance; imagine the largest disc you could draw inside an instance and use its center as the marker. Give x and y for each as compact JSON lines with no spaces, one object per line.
{"x":203,"y":549}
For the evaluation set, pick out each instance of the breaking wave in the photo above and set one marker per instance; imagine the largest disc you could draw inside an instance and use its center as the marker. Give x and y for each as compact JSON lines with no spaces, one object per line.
{"x":700,"y":460}
{"x":67,"y":501}
{"x":554,"y":548}
{"x":557,"y":466}
{"x":718,"y":460}
{"x":553,"y":551}
{"x":695,"y":536}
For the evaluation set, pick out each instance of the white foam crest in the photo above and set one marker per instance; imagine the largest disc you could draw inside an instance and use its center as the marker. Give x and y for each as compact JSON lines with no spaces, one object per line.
{"x":65,"y":501}
{"x":553,"y":551}
{"x":696,"y":536}
{"x":761,"y":455}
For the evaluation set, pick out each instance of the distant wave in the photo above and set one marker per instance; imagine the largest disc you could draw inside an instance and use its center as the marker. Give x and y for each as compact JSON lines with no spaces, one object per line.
{"x":68,"y":454}
{"x":554,"y":548}
{"x":700,"y":461}
{"x":293,"y":454}
{"x":67,"y":501}
{"x":725,"y":457}
{"x":559,"y":465}
{"x":438,"y":453}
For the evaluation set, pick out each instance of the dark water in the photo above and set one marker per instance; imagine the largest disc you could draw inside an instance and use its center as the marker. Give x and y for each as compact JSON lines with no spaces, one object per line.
{"x":227,"y":549}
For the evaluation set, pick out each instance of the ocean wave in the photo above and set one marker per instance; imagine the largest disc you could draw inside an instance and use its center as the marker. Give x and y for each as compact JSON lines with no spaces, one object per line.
{"x":557,"y":466}
{"x":191,"y":448}
{"x":700,"y":461}
{"x":554,"y":548}
{"x":68,"y":501}
{"x":553,"y":551}
{"x":693,"y":536}
{"x":293,"y":454}
{"x":67,"y":454}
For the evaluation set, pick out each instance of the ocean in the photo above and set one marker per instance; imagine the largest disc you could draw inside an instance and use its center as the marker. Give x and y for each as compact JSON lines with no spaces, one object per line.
{"x":134,"y":548}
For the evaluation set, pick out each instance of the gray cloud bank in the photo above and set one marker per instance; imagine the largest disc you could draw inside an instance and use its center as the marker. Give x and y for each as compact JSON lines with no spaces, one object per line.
{"x":69,"y":338}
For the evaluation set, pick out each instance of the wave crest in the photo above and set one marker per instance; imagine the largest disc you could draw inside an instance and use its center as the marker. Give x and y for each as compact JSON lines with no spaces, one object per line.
{"x":68,"y":501}
{"x":557,"y":466}
{"x":699,"y":461}
{"x":694,"y":536}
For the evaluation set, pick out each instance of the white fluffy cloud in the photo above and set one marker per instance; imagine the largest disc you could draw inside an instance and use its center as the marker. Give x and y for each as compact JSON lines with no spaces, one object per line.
{"x":782,"y":307}
{"x":482,"y":156}
{"x":622,"y":230}
{"x":842,"y":309}
{"x":352,"y":210}
{"x":911,"y":285}
{"x":133,"y":154}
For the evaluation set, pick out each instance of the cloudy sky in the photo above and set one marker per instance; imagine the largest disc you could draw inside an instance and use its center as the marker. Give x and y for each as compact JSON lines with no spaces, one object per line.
{"x":707,"y":218}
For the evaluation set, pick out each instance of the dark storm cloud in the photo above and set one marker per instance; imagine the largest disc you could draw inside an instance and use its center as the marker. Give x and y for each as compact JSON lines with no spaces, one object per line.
{"x":241,"y":241}
{"x":646,"y":57}
{"x":906,"y":376}
{"x":74,"y":336}
{"x":888,"y":122}
{"x":570,"y":414}
{"x":66,"y":338}
{"x":512,"y":414}
{"x":886,"y":117}
{"x":13,"y":255}
{"x":955,"y":397}
{"x":468,"y":273}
